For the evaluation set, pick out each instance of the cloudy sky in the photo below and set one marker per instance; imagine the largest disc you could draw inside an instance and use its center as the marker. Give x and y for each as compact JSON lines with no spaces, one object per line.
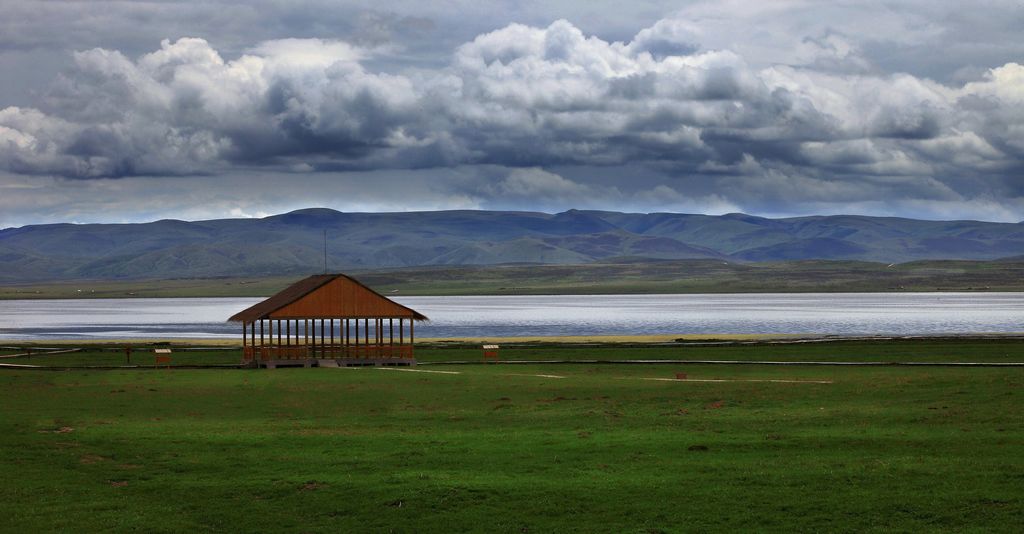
{"x":132,"y":111}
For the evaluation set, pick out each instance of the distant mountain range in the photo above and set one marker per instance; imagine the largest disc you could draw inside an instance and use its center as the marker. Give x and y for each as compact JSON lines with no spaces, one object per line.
{"x":292,"y":243}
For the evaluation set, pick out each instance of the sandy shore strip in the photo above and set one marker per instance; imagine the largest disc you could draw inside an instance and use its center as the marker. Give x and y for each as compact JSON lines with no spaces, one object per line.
{"x":599,"y":339}
{"x":647,"y":338}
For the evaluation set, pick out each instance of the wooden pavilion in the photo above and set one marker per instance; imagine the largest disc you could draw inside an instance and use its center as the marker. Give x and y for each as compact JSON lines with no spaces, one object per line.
{"x":328,"y":320}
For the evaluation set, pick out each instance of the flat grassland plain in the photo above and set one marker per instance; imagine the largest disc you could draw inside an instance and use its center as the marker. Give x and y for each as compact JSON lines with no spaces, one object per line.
{"x":622,"y":277}
{"x":524,"y":447}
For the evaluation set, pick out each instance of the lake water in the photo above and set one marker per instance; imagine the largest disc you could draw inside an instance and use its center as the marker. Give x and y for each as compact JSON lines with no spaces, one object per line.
{"x":507,"y":316}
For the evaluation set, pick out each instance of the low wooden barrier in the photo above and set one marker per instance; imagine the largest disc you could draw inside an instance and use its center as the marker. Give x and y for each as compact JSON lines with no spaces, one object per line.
{"x":333,"y":352}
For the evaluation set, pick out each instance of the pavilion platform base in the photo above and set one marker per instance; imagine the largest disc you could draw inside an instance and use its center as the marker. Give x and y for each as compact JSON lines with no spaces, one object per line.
{"x":338,"y":362}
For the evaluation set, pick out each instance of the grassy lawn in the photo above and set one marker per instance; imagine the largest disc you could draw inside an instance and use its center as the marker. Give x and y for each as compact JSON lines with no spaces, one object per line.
{"x":909,"y":350}
{"x":495,"y":449}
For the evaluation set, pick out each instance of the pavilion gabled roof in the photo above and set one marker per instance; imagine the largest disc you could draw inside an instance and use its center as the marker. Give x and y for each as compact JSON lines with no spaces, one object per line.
{"x":326,"y":296}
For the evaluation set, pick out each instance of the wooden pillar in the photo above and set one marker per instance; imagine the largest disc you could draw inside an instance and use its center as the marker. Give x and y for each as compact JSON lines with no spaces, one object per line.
{"x":391,"y":331}
{"x":244,"y":333}
{"x":412,"y":333}
{"x":288,"y":331}
{"x":401,"y":331}
{"x":253,"y":335}
{"x":332,"y":332}
{"x":261,"y":333}
{"x":278,"y":332}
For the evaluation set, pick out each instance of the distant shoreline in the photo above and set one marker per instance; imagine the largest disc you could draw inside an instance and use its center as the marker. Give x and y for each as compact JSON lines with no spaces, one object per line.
{"x":615,"y":278}
{"x":935,"y":291}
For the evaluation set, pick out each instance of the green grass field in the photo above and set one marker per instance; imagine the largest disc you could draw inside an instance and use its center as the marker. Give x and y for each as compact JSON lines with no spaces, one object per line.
{"x":496,"y":449}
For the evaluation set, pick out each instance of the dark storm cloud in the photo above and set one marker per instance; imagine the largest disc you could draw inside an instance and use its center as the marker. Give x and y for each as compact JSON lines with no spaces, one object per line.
{"x":694,"y":109}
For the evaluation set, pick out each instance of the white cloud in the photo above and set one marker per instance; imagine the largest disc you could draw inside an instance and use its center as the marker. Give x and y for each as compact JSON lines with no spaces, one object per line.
{"x":538,"y":183}
{"x":820,"y":122}
{"x":518,"y":96}
{"x":307,"y":53}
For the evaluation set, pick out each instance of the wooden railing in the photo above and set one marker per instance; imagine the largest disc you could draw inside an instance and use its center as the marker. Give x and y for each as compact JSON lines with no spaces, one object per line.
{"x":300,"y":352}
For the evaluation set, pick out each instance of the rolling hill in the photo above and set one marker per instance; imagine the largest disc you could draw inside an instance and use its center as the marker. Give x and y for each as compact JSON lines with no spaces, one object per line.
{"x":292,"y":243}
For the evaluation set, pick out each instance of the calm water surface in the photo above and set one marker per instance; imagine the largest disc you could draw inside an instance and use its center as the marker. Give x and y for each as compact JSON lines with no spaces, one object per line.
{"x":499,"y":316}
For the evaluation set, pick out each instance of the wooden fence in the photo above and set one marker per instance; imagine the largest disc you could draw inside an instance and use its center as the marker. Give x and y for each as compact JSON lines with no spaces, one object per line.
{"x":334,"y":352}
